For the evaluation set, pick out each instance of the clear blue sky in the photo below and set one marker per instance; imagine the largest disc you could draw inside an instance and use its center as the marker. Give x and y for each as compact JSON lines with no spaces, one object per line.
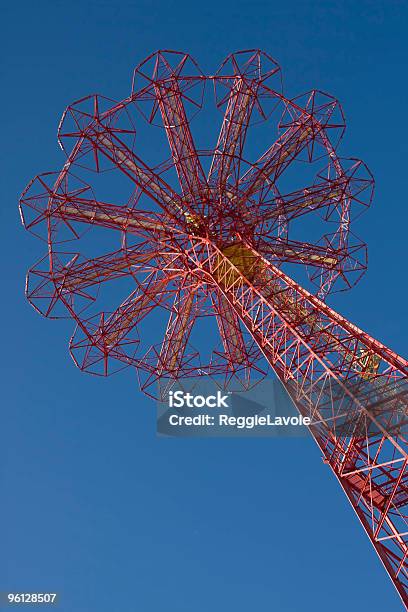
{"x":93,"y":505}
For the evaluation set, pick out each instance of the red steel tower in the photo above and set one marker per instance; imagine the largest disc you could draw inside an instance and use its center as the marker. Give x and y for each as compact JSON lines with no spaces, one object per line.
{"x":209,"y":235}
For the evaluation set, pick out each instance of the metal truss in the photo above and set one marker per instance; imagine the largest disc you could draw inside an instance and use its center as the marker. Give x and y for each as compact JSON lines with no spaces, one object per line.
{"x":208,"y":234}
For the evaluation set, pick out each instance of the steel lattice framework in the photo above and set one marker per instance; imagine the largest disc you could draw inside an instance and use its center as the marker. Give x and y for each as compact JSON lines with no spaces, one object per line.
{"x":206,"y":233}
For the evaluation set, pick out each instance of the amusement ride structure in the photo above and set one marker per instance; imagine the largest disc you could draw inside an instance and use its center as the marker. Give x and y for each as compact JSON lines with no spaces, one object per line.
{"x":209,"y":235}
